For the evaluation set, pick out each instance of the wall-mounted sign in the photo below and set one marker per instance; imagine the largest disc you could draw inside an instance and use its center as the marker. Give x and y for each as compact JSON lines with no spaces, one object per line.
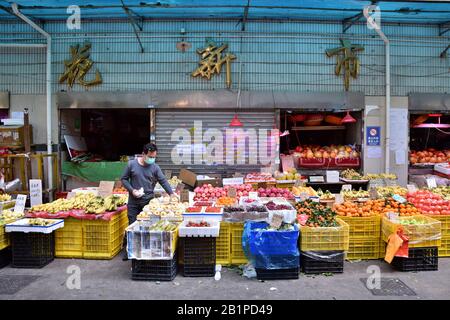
{"x":373,"y":136}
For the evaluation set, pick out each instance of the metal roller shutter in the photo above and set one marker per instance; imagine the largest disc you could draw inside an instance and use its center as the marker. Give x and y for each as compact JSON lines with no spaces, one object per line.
{"x":169,"y":120}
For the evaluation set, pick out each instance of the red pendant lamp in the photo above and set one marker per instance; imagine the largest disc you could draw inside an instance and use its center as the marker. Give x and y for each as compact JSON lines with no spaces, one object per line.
{"x":235,"y":122}
{"x":433,"y":125}
{"x":348,"y":118}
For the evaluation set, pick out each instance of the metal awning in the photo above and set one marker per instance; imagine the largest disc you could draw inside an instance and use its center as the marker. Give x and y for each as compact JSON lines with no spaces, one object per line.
{"x":212,"y":100}
{"x":432,"y":12}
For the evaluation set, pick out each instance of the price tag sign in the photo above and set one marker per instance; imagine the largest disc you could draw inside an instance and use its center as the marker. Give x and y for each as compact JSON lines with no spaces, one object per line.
{"x":105,"y":188}
{"x":276,"y":221}
{"x":253,"y":195}
{"x":233,"y":181}
{"x":373,"y":193}
{"x":20,"y":203}
{"x":232,"y":192}
{"x":316,"y":179}
{"x":191,"y":198}
{"x":398,"y":198}
{"x":339,"y":199}
{"x":347,"y":187}
{"x":431,"y":182}
{"x":70,"y":195}
{"x":411,"y":188}
{"x":184,"y":196}
{"x":332,"y":176}
{"x":35,"y":192}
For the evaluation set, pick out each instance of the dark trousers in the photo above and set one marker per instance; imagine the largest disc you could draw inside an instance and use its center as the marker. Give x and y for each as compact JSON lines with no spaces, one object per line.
{"x":134,"y":208}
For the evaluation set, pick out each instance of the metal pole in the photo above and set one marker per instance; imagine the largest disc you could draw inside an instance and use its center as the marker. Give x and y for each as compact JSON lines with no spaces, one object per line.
{"x":48,"y":90}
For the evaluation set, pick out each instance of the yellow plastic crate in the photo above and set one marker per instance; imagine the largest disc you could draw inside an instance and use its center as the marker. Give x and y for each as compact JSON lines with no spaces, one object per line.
{"x":102,"y":239}
{"x":4,"y":238}
{"x":223,"y":244}
{"x":424,"y":235}
{"x":444,"y":249}
{"x":363,"y":227}
{"x":445,"y":224}
{"x":69,"y":239}
{"x":365,"y":248}
{"x":287,"y":185}
{"x":237,"y":253}
{"x":383,"y":246}
{"x":325,"y":238}
{"x":123,"y":221}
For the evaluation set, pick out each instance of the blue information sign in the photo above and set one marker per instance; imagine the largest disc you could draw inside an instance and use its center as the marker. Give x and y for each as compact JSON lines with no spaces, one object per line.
{"x":373,"y":136}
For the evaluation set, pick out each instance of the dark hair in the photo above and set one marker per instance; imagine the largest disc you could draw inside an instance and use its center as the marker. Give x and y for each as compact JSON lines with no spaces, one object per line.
{"x":149,"y":147}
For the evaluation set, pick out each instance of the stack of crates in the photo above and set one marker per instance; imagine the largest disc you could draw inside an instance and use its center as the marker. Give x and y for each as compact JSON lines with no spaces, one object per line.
{"x":365,"y":241}
{"x":275,"y":252}
{"x":323,"y":248}
{"x":223,"y":244}
{"x":69,"y":239}
{"x":152,"y":253}
{"x":237,"y":253}
{"x":444,"y":248}
{"x":424,"y":241}
{"x":91,"y":239}
{"x":197,"y":256}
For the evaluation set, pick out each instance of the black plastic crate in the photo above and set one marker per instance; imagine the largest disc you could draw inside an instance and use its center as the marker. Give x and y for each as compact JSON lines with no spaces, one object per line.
{"x":198,"y":251}
{"x":420,"y":259}
{"x":154,"y":270}
{"x":276,"y":261}
{"x":197,"y":256}
{"x":5,"y":257}
{"x":277,"y":274}
{"x":198,"y":270}
{"x":314,"y":262}
{"x":32,"y":250}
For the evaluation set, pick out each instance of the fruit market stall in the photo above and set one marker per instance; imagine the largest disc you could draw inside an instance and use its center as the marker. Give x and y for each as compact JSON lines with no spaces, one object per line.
{"x":93,"y":225}
{"x":429,"y":146}
{"x":320,"y":142}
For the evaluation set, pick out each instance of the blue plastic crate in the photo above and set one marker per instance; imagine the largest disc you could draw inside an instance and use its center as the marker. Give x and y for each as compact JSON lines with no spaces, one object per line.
{"x":267,"y":242}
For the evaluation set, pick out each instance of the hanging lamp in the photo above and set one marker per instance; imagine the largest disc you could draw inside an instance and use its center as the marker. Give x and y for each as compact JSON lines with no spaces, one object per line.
{"x":348,"y":118}
{"x":433,"y":125}
{"x":235,"y":122}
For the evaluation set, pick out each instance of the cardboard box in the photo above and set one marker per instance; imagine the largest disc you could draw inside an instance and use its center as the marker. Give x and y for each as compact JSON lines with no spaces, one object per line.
{"x":191,"y":179}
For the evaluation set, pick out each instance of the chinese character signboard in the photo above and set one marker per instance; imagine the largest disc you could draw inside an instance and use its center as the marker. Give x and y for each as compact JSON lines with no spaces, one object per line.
{"x":211,"y":62}
{"x":78,"y":66}
{"x":347,"y":62}
{"x":373,"y":136}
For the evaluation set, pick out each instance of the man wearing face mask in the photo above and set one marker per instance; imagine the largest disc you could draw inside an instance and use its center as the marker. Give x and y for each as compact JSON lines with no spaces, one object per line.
{"x":143,"y":174}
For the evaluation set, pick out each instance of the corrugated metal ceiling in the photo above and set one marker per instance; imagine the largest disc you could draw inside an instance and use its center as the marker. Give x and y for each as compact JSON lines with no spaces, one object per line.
{"x":433,"y":12}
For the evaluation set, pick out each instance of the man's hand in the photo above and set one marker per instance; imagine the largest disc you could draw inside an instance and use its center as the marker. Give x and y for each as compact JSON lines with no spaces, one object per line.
{"x":137,"y":193}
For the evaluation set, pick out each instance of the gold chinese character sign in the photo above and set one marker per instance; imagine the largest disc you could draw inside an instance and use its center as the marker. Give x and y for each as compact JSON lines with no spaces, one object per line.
{"x":78,"y":66}
{"x":212,"y":60}
{"x":346,"y":60}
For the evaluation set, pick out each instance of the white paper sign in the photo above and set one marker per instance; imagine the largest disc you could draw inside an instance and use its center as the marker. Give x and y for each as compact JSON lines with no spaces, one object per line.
{"x":232,"y":181}
{"x":399,"y":129}
{"x":338,"y":199}
{"x":411,"y":188}
{"x":347,"y":187}
{"x":332,"y":176}
{"x":253,"y":195}
{"x":431,"y":182}
{"x":20,"y":203}
{"x":374,"y":152}
{"x":400,"y":157}
{"x":191,"y":198}
{"x":316,"y":179}
{"x":35,"y":192}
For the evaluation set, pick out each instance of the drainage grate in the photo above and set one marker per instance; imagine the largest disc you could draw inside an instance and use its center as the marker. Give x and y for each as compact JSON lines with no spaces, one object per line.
{"x":11,"y":284}
{"x":390,"y":287}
